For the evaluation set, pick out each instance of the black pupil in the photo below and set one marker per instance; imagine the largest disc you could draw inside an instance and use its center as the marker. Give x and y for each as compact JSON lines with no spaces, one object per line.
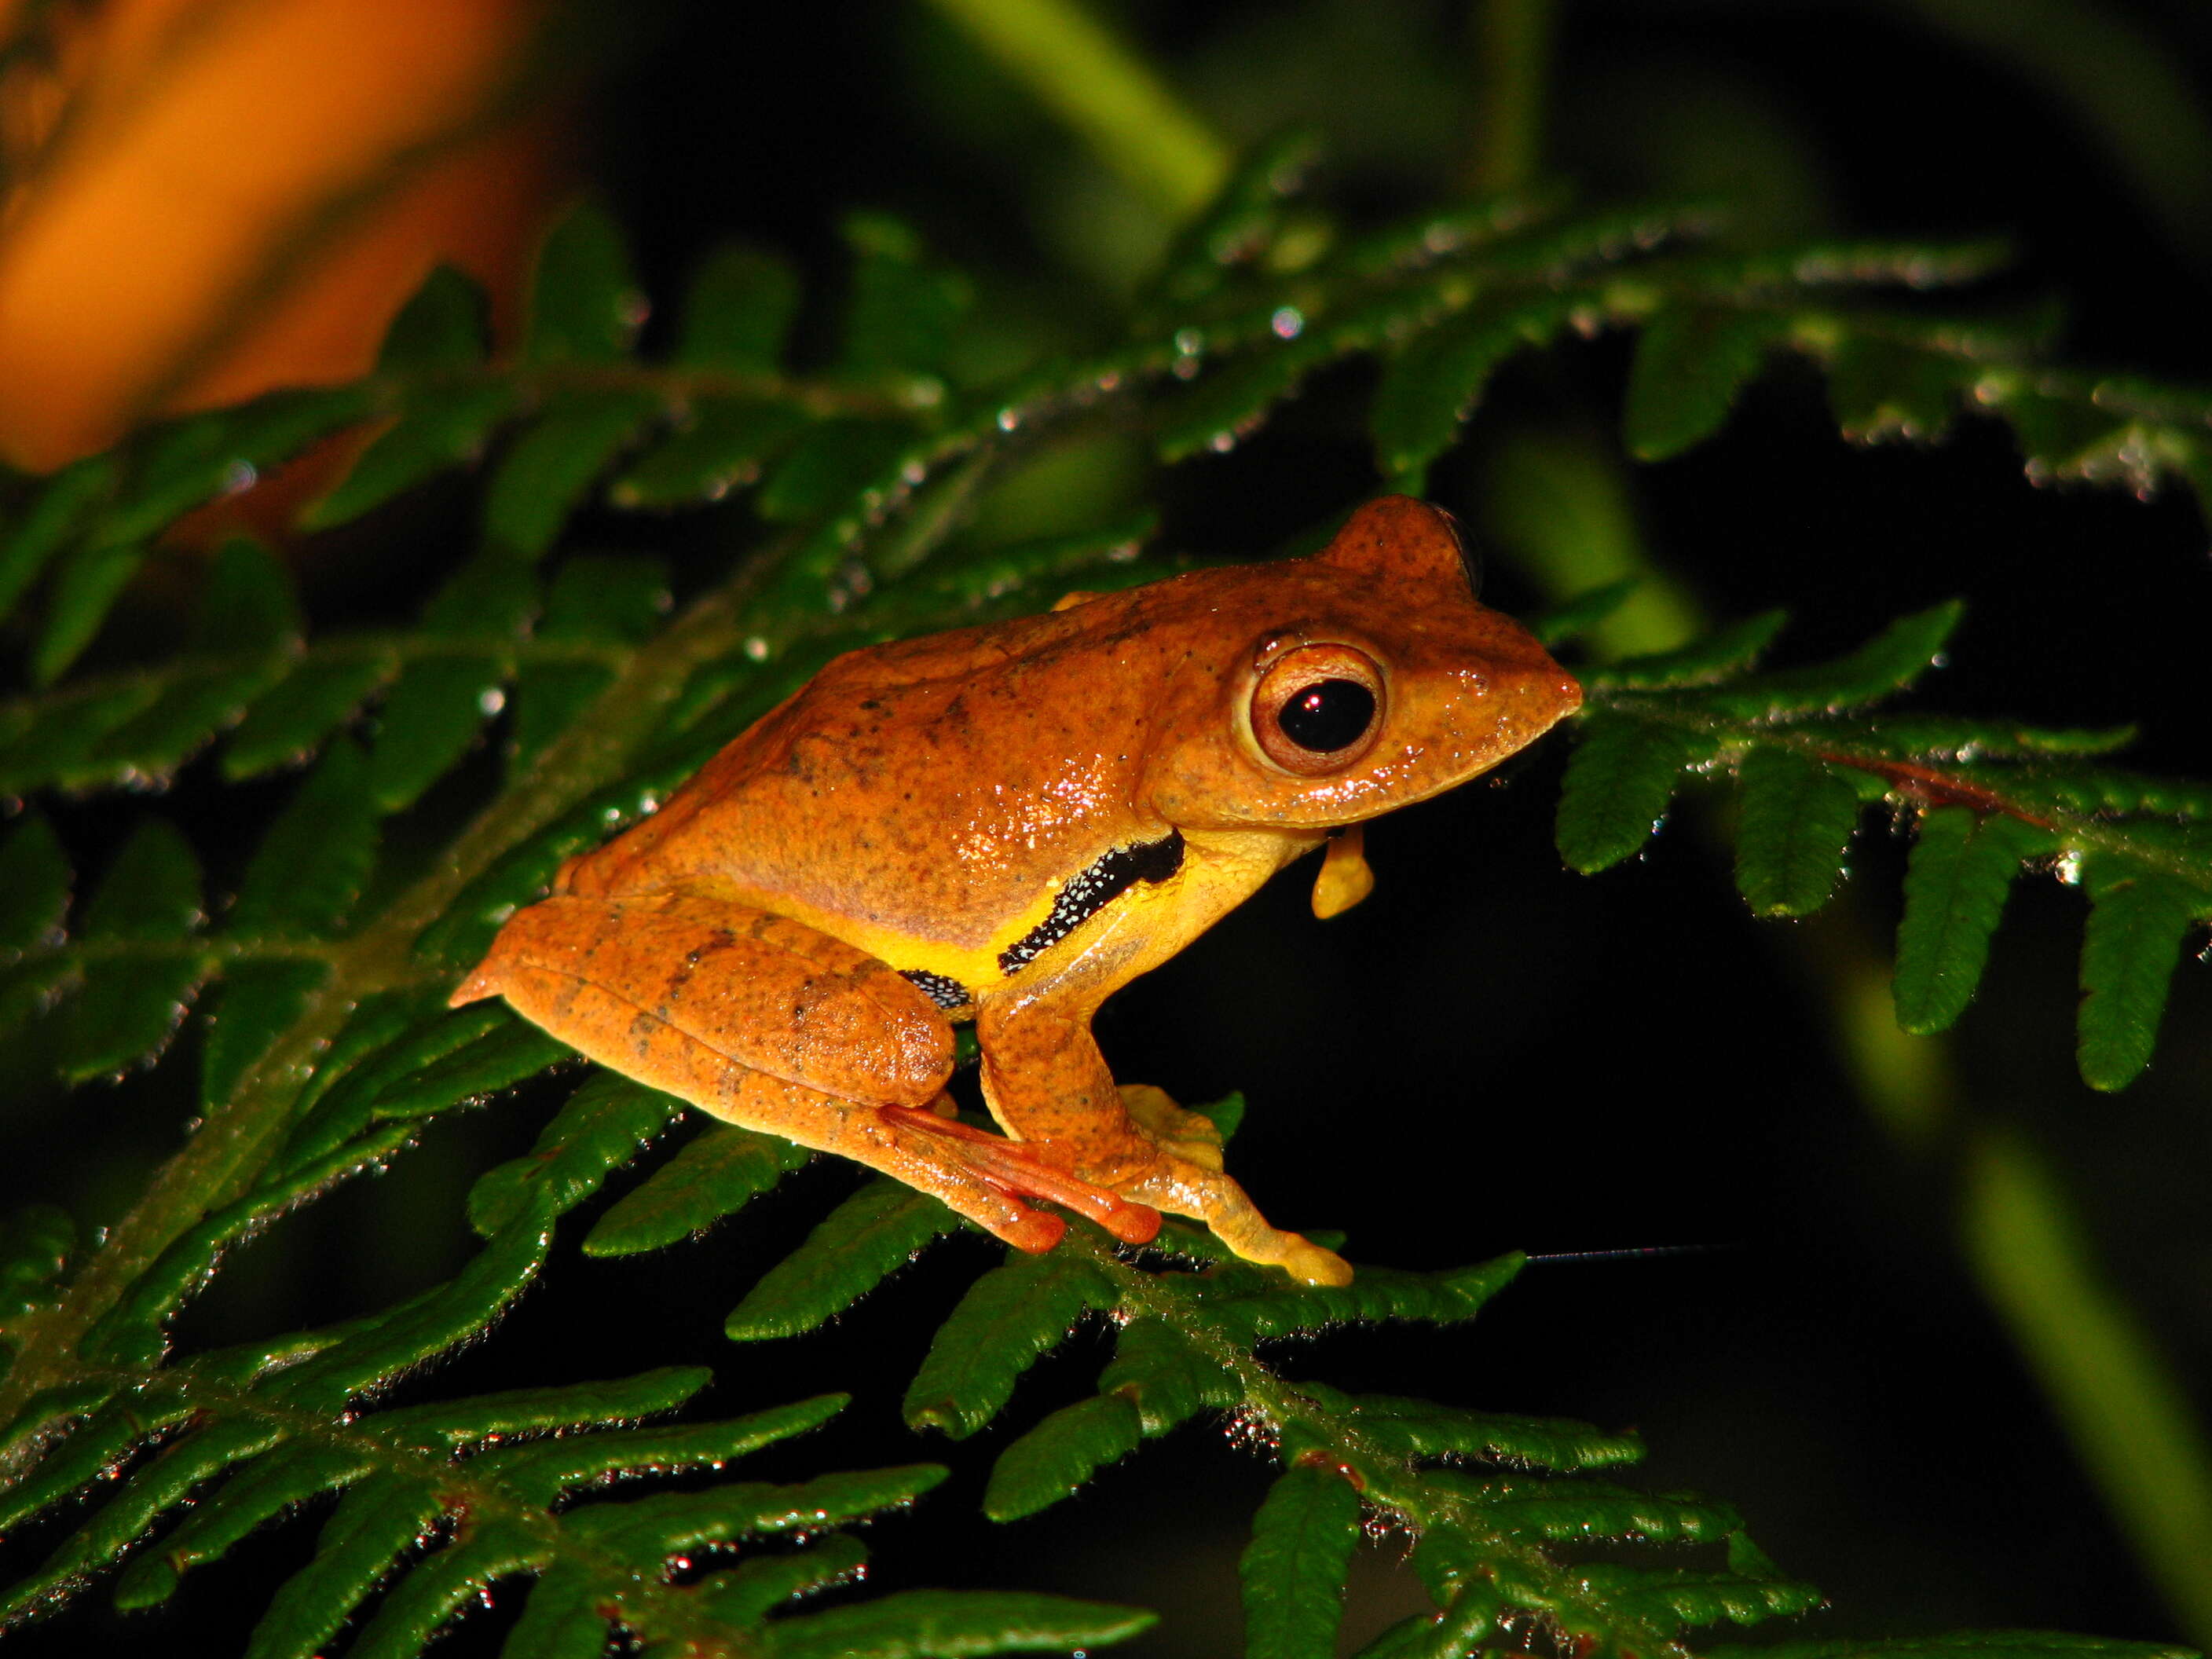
{"x":1327,"y":714}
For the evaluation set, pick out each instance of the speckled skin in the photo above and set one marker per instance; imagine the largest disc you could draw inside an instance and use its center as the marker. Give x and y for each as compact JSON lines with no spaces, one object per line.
{"x":919,"y":807}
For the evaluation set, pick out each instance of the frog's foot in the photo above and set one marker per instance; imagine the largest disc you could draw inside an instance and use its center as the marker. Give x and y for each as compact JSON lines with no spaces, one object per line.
{"x":1188,"y":1188}
{"x":1004,"y":1165}
{"x":1190,"y":1135}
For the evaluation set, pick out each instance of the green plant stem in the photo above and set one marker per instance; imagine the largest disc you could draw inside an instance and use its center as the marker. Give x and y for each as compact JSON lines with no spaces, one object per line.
{"x":1103,"y":89}
{"x":2125,"y":1411}
{"x":1513,"y":73}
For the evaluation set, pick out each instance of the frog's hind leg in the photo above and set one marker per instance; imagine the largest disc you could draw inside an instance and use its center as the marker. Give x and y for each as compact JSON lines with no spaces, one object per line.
{"x":764,"y":1022}
{"x":1048,"y":1085}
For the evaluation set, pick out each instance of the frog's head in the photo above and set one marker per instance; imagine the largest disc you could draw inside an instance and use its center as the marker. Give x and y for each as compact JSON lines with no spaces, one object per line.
{"x":1351,"y":683}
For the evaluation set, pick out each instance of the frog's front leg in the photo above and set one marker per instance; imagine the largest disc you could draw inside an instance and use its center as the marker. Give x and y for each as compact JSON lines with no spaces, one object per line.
{"x":766,"y":1022}
{"x":1049,"y":1086}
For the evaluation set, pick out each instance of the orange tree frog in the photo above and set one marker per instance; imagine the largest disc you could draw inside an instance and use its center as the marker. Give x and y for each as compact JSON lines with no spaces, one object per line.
{"x":1006,"y":824}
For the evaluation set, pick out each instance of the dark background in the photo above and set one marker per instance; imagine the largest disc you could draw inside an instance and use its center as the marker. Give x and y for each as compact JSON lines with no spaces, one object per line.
{"x":1491,"y":1053}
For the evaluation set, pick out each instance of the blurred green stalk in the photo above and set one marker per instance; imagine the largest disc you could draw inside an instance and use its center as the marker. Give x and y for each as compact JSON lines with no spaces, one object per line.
{"x":2131,"y":1422}
{"x":1558,"y":503}
{"x":1513,"y":70}
{"x":1109,"y":95}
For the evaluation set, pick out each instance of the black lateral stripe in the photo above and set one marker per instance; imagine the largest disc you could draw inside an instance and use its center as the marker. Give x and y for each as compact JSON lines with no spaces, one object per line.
{"x":942,"y":989}
{"x":1150,"y":861}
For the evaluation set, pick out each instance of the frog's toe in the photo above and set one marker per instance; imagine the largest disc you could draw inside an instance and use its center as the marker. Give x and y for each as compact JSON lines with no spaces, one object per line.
{"x":1189,"y":1135}
{"x":1004,"y":1164}
{"x":1310,"y":1264}
{"x":1035,"y":1233}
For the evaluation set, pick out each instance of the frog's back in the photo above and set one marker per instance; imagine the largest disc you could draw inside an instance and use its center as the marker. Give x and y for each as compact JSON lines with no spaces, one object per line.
{"x":927,"y":788}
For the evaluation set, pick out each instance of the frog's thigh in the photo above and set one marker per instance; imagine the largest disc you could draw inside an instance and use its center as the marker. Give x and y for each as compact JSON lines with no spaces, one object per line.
{"x":763,"y":990}
{"x":602,"y":983}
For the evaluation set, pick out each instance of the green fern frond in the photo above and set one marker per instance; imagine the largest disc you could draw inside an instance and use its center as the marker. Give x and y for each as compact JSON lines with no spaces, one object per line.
{"x":1987,"y":799}
{"x":490,"y":1483}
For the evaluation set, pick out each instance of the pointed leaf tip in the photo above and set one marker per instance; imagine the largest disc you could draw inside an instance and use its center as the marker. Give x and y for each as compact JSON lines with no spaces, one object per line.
{"x":1058,"y":1457}
{"x":2137,"y":919}
{"x":1690,"y":365}
{"x":1620,"y":778}
{"x":585,"y":304}
{"x":1956,"y":882}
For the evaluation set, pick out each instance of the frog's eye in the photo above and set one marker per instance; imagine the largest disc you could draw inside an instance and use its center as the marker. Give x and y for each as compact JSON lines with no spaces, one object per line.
{"x":1317,"y":708}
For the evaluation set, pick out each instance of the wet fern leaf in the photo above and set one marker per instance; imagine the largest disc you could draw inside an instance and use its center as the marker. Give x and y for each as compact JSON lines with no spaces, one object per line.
{"x":297,"y":713}
{"x":135,"y":989}
{"x":1619,"y":782}
{"x":1239,"y":226}
{"x":551,"y":467}
{"x":737,"y":312}
{"x":1886,"y":389}
{"x":434,"y":342}
{"x":1961,"y":870}
{"x":861,"y":1243}
{"x":1725,"y":652}
{"x":1690,"y":365}
{"x":1889,"y":662}
{"x":1295,"y":1567}
{"x":435,"y":711}
{"x":594,"y":601}
{"x":1796,"y":821}
{"x":1432,"y":384}
{"x":2137,"y":918}
{"x":716,"y":1174}
{"x":309,"y":871}
{"x":36,"y":1243}
{"x":62,"y":507}
{"x":247,"y":626}
{"x":913,"y":1624}
{"x":34,"y":886}
{"x":90,"y":578}
{"x":1162,"y":1371}
{"x":255,"y":1002}
{"x":1231,"y":404}
{"x":832,"y":462}
{"x":605,"y":1123}
{"x":903,"y":307}
{"x":1563,"y":625}
{"x":1058,"y":1457}
{"x":585,"y":304}
{"x":720,"y":445}
{"x":425,"y":1063}
{"x":1010,"y":1318}
{"x":1418,"y":1429}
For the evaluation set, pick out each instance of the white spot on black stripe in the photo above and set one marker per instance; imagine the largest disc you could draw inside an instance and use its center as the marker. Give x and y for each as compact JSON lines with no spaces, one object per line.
{"x":1150,"y":862}
{"x":942,"y":989}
